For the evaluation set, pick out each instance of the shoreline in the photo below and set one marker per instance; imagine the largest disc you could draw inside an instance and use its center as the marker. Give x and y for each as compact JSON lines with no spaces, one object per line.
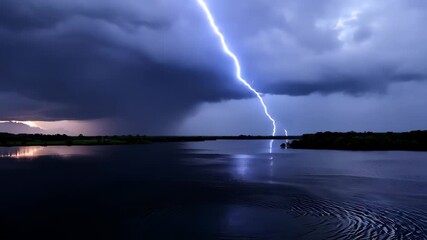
{"x":366,"y":141}
{"x":27,"y":140}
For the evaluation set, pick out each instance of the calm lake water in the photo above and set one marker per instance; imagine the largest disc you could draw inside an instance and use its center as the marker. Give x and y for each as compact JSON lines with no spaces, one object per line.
{"x":211,"y":190}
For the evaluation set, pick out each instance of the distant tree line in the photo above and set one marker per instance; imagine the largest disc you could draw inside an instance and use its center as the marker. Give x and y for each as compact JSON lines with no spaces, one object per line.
{"x":415,"y":140}
{"x":8,"y":139}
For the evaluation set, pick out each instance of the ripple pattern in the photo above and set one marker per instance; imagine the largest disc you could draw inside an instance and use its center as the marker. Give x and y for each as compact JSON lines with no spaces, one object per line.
{"x":330,"y":219}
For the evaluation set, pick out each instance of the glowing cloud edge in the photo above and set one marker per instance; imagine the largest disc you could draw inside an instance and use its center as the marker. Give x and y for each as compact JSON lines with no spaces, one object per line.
{"x":233,"y":56}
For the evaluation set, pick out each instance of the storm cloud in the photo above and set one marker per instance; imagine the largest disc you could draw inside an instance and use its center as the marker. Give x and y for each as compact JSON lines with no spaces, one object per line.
{"x":146,"y":65}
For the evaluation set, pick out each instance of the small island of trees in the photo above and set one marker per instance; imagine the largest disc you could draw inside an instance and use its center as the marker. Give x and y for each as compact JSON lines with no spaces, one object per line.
{"x":414,"y":141}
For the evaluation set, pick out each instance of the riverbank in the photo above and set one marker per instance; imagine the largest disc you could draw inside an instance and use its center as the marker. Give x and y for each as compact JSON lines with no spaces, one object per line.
{"x":368,"y":141}
{"x":9,"y":140}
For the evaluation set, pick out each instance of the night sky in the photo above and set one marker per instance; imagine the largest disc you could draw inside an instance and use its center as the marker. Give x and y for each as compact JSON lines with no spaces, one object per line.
{"x":155,"y":67}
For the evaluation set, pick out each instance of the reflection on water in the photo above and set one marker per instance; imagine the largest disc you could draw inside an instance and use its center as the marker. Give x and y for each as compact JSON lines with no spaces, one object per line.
{"x":212,"y":190}
{"x":271,"y":146}
{"x":242,"y":164}
{"x":20,"y":152}
{"x":37,"y":151}
{"x":337,"y":194}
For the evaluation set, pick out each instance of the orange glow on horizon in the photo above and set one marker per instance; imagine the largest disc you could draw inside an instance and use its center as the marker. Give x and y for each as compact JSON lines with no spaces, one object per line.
{"x":28,"y":123}
{"x":69,"y":127}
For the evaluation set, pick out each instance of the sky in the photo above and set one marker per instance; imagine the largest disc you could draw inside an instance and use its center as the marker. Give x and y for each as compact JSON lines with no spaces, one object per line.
{"x":154,"y":67}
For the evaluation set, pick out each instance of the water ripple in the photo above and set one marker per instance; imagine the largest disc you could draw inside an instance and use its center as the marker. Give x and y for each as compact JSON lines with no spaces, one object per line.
{"x":351,"y":220}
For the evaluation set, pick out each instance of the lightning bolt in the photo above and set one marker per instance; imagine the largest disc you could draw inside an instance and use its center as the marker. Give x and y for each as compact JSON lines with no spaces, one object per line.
{"x":233,"y":56}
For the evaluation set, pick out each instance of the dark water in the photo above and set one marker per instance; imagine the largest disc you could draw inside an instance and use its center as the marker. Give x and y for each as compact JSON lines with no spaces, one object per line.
{"x":211,"y":190}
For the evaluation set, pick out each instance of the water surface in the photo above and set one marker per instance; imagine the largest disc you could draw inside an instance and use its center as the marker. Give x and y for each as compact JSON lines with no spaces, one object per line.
{"x":211,"y":190}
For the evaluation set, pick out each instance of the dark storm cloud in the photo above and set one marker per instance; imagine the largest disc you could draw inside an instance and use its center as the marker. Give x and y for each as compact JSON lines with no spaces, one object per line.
{"x":352,"y":85}
{"x":80,"y":61}
{"x":45,"y":13}
{"x":303,"y":46}
{"x":147,"y":64}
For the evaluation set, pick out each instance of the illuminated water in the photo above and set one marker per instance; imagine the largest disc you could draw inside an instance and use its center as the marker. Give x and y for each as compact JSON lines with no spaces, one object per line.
{"x":211,"y":190}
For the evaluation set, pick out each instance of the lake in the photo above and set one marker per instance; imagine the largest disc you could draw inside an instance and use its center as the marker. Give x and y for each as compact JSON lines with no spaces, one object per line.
{"x":211,"y":190}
